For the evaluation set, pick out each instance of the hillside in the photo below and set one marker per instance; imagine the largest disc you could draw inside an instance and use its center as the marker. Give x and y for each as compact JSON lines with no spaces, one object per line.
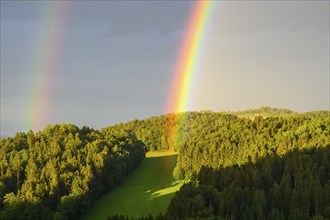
{"x":266,"y":112}
{"x":153,"y":131}
{"x":60,"y":172}
{"x":235,"y":164}
{"x":148,"y":190}
{"x":295,"y":186}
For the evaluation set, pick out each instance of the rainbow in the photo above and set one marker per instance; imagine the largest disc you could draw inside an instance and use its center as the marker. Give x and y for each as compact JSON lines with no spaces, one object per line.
{"x":186,"y":71}
{"x":43,"y":64}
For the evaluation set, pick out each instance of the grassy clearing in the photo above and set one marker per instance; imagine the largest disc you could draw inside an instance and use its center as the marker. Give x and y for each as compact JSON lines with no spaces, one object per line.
{"x":148,"y":189}
{"x":160,"y":154}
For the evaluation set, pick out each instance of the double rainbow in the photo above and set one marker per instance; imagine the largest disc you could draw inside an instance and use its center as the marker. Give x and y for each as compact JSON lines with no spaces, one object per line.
{"x":187,"y":71}
{"x":43,"y":68}
{"x":49,"y":41}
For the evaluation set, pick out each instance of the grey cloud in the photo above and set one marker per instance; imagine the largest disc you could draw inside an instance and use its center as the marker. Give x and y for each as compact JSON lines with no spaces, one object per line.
{"x":258,"y":16}
{"x":122,"y":18}
{"x":13,"y":11}
{"x":115,"y":17}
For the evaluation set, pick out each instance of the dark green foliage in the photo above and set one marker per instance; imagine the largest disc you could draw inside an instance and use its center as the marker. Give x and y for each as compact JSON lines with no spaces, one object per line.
{"x":59,"y":172}
{"x":149,"y":217}
{"x":299,"y":189}
{"x":243,"y":167}
{"x":219,"y":140}
{"x":256,"y":164}
{"x":261,"y":168}
{"x":266,"y":111}
{"x":224,"y":128}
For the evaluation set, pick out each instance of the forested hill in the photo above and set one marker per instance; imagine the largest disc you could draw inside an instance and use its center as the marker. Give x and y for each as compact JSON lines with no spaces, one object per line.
{"x":152,"y":131}
{"x":293,"y":186}
{"x":237,"y":165}
{"x":59,"y":172}
{"x":265,"y":111}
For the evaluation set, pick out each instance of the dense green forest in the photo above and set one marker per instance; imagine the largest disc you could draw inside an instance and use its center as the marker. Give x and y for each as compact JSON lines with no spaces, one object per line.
{"x":294,"y":186}
{"x":59,"y":172}
{"x":265,"y":111}
{"x":256,"y":164}
{"x":226,"y":140}
{"x":232,"y":159}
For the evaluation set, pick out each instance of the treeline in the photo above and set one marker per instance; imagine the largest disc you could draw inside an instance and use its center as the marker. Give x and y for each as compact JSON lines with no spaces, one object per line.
{"x":242,"y":168}
{"x":157,"y":132}
{"x":295,"y":186}
{"x":149,"y":217}
{"x":266,"y":111}
{"x":151,"y":131}
{"x":265,"y":168}
{"x":226,"y":140}
{"x":59,"y":172}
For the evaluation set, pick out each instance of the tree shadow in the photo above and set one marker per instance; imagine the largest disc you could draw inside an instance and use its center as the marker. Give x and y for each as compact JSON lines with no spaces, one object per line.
{"x":147,"y":190}
{"x":294,"y":186}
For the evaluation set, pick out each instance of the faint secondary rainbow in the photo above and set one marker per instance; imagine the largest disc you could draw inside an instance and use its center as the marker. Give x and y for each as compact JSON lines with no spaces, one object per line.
{"x":187,"y":71}
{"x":43,"y":65}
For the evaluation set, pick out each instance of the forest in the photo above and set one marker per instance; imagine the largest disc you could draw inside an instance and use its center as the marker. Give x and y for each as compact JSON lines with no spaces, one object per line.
{"x":59,"y":172}
{"x":257,"y":164}
{"x":294,"y":186}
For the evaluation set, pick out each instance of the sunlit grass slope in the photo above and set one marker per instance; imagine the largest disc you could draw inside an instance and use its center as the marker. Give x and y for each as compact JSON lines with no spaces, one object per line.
{"x":148,"y":189}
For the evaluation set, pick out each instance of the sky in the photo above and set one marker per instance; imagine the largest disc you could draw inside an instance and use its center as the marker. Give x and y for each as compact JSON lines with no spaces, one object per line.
{"x":98,"y":63}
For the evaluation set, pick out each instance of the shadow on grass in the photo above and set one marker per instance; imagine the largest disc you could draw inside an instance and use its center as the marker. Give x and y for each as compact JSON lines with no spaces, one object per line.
{"x":169,"y":189}
{"x":147,"y":190}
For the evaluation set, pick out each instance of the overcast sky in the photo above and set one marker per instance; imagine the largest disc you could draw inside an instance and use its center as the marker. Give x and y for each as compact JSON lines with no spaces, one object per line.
{"x":114,"y":60}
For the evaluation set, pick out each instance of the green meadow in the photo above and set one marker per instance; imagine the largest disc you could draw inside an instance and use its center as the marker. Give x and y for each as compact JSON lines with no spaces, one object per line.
{"x":147,"y":190}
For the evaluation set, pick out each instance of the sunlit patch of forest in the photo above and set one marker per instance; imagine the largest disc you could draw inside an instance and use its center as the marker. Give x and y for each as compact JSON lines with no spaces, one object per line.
{"x":59,"y":172}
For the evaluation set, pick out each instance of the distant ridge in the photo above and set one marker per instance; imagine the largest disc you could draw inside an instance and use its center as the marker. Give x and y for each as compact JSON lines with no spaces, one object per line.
{"x":265,"y":111}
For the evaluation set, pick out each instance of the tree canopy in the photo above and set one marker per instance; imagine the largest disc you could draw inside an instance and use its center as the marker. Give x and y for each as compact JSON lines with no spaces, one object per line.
{"x":59,"y":172}
{"x":256,"y":164}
